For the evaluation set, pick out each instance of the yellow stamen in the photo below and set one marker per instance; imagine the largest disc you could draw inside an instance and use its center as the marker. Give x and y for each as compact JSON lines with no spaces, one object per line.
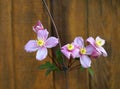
{"x":83,"y":50}
{"x":99,"y":43}
{"x":40,"y":42}
{"x":70,"y":47}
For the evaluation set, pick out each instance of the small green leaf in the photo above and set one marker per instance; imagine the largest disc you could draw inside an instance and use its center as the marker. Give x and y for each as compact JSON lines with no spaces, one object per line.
{"x":90,"y":70}
{"x":48,"y":72}
{"x":59,"y":56}
{"x":44,"y":66}
{"x":49,"y":66}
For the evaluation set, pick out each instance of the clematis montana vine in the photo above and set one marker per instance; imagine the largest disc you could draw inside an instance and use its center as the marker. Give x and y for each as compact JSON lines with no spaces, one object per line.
{"x":74,"y":51}
{"x":77,"y":50}
{"x":41,"y":44}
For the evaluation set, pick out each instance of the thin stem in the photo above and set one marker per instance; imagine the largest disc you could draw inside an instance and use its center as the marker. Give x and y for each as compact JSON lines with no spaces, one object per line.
{"x":72,"y":63}
{"x":69,"y":62}
{"x":75,"y":67}
{"x":56,"y":30}
{"x":66,"y":79}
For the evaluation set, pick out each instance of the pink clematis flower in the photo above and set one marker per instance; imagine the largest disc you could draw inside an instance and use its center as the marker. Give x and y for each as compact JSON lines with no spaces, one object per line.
{"x":69,"y":50}
{"x":97,"y":45}
{"x":83,"y":52}
{"x":38,"y":27}
{"x":41,"y":44}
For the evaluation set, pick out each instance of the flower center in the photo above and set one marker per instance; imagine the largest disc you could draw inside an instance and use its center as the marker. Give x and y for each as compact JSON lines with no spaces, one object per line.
{"x":99,"y":43}
{"x":83,"y":50}
{"x":40,"y":42}
{"x":70,"y":47}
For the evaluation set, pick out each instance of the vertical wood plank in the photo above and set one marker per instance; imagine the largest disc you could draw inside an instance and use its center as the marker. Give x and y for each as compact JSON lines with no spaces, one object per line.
{"x":103,"y":22}
{"x":70,"y":17}
{"x":115,"y":66}
{"x":25,"y":15}
{"x":6,"y":46}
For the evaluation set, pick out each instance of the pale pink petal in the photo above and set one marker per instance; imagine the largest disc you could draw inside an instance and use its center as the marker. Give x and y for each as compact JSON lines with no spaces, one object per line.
{"x":38,"y":27}
{"x":66,"y":53}
{"x":89,"y":49}
{"x":85,"y":61}
{"x":43,"y":34}
{"x":103,"y":51}
{"x":51,"y":42}
{"x":78,"y":41}
{"x":31,"y":46}
{"x":91,"y":41}
{"x":41,"y":53}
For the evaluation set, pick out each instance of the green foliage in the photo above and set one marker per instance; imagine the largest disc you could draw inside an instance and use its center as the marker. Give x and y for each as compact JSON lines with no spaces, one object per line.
{"x":59,"y":56}
{"x":90,"y":70}
{"x":49,"y":66}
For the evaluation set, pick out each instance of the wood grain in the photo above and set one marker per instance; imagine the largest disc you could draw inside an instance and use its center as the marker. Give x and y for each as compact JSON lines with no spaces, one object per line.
{"x":27,"y":75}
{"x":70,"y":18}
{"x":6,"y":46}
{"x":103,"y":22}
{"x":19,"y":70}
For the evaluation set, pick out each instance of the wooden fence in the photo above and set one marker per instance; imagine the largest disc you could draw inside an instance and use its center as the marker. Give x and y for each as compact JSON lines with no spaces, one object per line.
{"x":19,"y":70}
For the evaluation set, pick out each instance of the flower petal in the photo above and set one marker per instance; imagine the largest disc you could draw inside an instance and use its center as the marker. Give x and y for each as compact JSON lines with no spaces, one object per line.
{"x":89,"y":49}
{"x":103,"y":51}
{"x":91,"y":41}
{"x":78,"y":41}
{"x":75,"y":53}
{"x":51,"y":42}
{"x":31,"y":46}
{"x":43,"y":34}
{"x":41,"y":53}
{"x":85,"y":61}
{"x":65,"y":52}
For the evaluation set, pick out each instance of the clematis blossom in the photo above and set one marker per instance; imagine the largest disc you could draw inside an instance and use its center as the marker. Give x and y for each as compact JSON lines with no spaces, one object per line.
{"x":69,"y":50}
{"x":38,"y":27}
{"x":41,"y":44}
{"x":84,"y":52}
{"x":97,"y":45}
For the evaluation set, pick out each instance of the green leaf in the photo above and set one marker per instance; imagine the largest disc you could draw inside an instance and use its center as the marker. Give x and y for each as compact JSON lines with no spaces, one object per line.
{"x":59,"y":56}
{"x":48,"y":72}
{"x":49,"y":66}
{"x":90,"y":70}
{"x":44,"y":66}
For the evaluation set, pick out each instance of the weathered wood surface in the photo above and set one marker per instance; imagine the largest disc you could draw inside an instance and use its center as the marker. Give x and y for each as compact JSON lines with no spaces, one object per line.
{"x":19,"y":70}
